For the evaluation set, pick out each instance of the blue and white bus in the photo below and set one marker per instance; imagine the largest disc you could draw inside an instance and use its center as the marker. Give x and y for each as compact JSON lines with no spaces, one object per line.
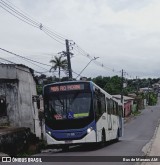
{"x":78,"y":112}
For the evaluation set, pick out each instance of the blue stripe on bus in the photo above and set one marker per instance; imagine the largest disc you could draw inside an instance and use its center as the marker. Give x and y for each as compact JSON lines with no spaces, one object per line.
{"x":91,"y":86}
{"x":70,"y":133}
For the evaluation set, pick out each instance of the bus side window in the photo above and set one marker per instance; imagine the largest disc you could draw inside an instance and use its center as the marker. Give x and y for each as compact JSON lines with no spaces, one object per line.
{"x":96,"y":106}
{"x":100,"y":106}
{"x":111,"y":106}
{"x":103,"y":103}
{"x":108,"y":107}
{"x":117,"y":109}
{"x":114,"y":108}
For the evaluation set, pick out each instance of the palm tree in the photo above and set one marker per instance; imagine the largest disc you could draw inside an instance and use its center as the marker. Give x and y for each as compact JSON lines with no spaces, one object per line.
{"x":58,"y":63}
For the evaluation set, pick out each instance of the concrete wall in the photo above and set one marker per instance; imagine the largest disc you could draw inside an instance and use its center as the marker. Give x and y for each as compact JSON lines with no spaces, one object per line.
{"x":7,"y":71}
{"x":18,"y":86}
{"x":26,"y":89}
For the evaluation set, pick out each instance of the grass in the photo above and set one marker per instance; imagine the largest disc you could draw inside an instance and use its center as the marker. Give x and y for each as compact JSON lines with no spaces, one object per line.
{"x":136,"y":113}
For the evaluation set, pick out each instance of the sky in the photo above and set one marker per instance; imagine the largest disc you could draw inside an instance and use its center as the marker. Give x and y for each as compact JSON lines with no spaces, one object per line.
{"x":124,"y":34}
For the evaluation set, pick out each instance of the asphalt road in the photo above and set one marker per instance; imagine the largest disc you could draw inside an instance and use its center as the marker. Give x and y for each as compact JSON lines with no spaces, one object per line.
{"x":138,"y":132}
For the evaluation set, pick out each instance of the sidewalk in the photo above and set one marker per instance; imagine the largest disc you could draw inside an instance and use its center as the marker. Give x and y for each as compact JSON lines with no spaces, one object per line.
{"x":153,"y":147}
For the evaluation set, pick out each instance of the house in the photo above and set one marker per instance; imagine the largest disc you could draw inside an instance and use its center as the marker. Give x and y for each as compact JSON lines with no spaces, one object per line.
{"x":17,"y":86}
{"x":128,"y":103}
{"x":156,"y":87}
{"x":146,"y":89}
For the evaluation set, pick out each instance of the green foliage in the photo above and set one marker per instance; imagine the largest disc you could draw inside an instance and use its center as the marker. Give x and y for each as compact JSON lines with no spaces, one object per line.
{"x":110,"y":84}
{"x":113,"y":85}
{"x":136,"y":113}
{"x":152,"y":98}
{"x":39,"y":89}
{"x":59,"y":63}
{"x":101,"y":81}
{"x":112,"y":88}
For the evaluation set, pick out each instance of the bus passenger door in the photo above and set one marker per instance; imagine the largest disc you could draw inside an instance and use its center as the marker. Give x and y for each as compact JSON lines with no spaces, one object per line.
{"x":100,"y":115}
{"x":109,"y":112}
{"x":121,"y":120}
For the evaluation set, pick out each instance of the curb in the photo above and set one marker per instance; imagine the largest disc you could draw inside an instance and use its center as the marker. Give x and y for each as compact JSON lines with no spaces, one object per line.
{"x":148,"y":147}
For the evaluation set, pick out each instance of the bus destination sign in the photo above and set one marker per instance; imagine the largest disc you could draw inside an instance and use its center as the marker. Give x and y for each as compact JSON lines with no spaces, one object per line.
{"x":71,"y":87}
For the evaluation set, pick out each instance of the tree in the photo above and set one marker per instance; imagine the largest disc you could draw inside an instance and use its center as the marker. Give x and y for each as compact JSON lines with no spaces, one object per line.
{"x":113,"y":86}
{"x":101,"y":81}
{"x":58,"y":63}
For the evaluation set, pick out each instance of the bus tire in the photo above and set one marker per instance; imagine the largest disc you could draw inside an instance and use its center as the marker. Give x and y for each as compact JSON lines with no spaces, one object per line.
{"x":65,"y":148}
{"x":103,"y":138}
{"x":117,"y":137}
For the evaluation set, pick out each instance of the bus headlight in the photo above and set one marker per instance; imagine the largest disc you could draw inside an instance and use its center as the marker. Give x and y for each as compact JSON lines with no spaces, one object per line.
{"x":49,"y":132}
{"x":89,"y":130}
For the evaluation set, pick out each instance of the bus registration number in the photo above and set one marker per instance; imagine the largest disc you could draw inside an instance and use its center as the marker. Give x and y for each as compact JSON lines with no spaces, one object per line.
{"x":68,"y":141}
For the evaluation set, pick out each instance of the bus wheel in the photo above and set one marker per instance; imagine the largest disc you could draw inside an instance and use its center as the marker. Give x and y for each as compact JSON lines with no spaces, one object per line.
{"x":65,"y":148}
{"x":117,"y":137}
{"x":103,"y":138}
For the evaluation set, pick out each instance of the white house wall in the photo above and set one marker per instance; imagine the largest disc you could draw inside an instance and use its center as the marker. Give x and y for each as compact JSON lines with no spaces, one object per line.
{"x":18,"y":87}
{"x":26,"y":89}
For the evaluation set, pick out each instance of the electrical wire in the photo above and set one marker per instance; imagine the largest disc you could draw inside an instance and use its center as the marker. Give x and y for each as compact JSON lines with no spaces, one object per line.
{"x":7,"y":60}
{"x":18,"y":13}
{"x":91,"y":58}
{"x":14,"y":64}
{"x":26,"y":59}
{"x":24,"y":13}
{"x":23,"y":17}
{"x":17,"y":16}
{"x":23,"y":57}
{"x":47,"y":28}
{"x":52,"y":37}
{"x":52,"y":33}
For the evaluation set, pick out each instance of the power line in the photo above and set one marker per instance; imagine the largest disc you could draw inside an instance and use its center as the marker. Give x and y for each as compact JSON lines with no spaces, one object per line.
{"x":17,"y":16}
{"x":30,"y":21}
{"x":24,"y":58}
{"x":37,"y":22}
{"x":7,"y":60}
{"x":53,"y":37}
{"x":14,"y":64}
{"x":53,"y":33}
{"x":18,"y":13}
{"x":82,"y":52}
{"x":21,"y":12}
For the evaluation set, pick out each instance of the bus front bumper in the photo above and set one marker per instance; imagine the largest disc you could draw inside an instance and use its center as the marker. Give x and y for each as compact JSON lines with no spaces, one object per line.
{"x":89,"y":138}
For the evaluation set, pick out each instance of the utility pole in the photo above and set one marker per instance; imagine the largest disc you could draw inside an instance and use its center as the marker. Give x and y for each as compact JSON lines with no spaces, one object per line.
{"x":137,"y":84}
{"x":68,"y":59}
{"x":122,"y":93}
{"x":122,"y":88}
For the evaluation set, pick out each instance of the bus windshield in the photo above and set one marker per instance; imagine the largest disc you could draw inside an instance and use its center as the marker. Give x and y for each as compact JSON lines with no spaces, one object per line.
{"x":70,"y":105}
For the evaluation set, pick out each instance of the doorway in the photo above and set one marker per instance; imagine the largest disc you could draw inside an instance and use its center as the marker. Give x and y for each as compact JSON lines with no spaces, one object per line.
{"x":3,"y":108}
